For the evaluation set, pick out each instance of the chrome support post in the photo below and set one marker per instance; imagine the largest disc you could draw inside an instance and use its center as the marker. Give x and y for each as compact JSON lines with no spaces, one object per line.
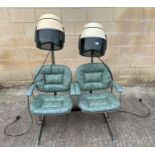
{"x":107,"y":120}
{"x":41,"y":124}
{"x":52,"y":57}
{"x":92,"y":57}
{"x":28,"y":100}
{"x":120,"y":96}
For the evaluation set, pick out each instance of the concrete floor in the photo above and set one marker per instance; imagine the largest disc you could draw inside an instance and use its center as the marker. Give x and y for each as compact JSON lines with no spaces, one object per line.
{"x":77,"y":128}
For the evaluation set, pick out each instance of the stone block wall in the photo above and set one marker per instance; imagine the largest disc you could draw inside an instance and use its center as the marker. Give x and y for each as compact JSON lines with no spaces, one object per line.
{"x":131,"y":42}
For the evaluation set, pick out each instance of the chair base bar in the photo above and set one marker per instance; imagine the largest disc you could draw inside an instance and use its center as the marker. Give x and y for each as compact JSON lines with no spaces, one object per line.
{"x":41,"y":124}
{"x":76,"y":109}
{"x":108,"y":122}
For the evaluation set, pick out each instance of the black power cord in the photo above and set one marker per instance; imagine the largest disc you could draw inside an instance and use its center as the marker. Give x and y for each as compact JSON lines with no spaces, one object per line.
{"x":140,"y":100}
{"x":40,"y":68}
{"x":105,"y":66}
{"x":141,"y":116}
{"x":19,"y":117}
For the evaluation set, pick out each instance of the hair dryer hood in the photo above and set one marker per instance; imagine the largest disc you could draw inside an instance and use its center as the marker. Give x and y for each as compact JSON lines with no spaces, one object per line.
{"x":92,"y":41}
{"x":49,"y":34}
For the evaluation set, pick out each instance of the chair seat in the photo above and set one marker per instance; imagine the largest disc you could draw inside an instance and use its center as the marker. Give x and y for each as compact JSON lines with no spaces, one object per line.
{"x":51,"y":105}
{"x":99,"y":103}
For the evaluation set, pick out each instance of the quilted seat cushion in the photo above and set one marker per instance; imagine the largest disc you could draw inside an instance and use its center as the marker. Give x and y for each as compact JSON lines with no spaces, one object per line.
{"x":99,"y":103}
{"x":51,"y":105}
{"x":54,"y":78}
{"x":93,"y":76}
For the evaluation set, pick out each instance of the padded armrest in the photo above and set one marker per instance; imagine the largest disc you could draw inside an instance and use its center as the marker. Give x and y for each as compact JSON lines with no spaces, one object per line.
{"x":118,"y":87}
{"x":75,"y":89}
{"x":30,"y":90}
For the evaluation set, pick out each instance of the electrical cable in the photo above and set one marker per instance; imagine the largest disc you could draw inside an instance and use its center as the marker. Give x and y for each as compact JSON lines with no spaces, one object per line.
{"x":40,"y":68}
{"x":18,"y":117}
{"x":140,"y":100}
{"x":106,"y":67}
{"x":141,"y":116}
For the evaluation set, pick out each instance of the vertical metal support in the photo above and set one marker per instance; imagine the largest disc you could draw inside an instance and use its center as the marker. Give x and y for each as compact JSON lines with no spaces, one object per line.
{"x":111,"y":87}
{"x":28,"y":102}
{"x":52,"y":54}
{"x":92,"y":61}
{"x":107,"y":119}
{"x":33,"y":95}
{"x":41,"y":124}
{"x":92,"y":57}
{"x":120,"y":97}
{"x":53,"y":60}
{"x":28,"y":107}
{"x":52,"y":57}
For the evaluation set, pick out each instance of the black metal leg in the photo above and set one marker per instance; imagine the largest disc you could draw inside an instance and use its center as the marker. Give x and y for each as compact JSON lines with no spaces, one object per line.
{"x":41,"y":124}
{"x":107,"y":119}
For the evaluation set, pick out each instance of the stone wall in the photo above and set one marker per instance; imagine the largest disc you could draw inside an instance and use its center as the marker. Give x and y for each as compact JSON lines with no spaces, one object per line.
{"x":130,"y":52}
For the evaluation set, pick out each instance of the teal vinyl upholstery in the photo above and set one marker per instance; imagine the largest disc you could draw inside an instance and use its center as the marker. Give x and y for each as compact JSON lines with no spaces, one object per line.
{"x":52,"y":78}
{"x":75,"y":89}
{"x":99,"y":103}
{"x":30,"y":90}
{"x":47,"y":105}
{"x":95,"y":77}
{"x":117,"y":87}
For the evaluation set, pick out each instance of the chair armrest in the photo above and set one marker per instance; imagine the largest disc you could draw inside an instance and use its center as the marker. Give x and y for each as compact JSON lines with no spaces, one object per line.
{"x":30,"y":90}
{"x":117,"y":86}
{"x":75,"y":89}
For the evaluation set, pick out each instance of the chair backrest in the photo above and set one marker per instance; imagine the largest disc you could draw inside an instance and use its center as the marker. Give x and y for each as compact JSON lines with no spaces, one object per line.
{"x":54,"y":78}
{"x":93,"y":76}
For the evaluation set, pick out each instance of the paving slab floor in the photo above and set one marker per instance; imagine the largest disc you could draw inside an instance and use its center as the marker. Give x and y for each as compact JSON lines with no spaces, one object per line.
{"x":80,"y":129}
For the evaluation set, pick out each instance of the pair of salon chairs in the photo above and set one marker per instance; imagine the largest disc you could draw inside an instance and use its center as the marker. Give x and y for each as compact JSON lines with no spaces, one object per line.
{"x":55,"y":88}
